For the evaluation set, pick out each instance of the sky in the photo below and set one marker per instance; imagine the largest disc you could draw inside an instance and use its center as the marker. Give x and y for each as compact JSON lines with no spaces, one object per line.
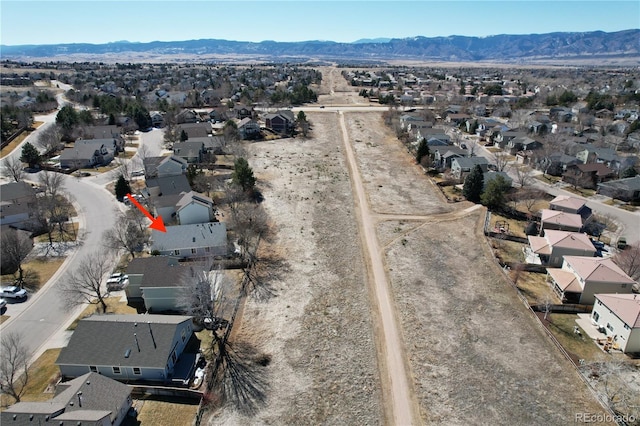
{"x":95,"y":21}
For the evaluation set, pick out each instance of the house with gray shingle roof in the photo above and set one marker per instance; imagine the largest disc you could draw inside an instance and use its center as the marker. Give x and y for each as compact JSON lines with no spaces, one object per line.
{"x":199,"y":240}
{"x":88,"y":153}
{"x":627,"y":189}
{"x":130,"y":348}
{"x":462,"y":166}
{"x":91,"y":399}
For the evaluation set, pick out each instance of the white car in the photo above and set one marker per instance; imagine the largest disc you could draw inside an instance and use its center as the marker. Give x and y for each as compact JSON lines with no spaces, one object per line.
{"x":117,"y":281}
{"x":13,"y":292}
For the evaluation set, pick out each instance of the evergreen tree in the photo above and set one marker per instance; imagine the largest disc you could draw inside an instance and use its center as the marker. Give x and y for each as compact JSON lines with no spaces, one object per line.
{"x":67,"y":118}
{"x":494,"y":195}
{"x":243,"y":175}
{"x":629,"y":172}
{"x":423,"y":151}
{"x":30,"y":155}
{"x":473,"y":184}
{"x":183,"y":136}
{"x":122,"y":188}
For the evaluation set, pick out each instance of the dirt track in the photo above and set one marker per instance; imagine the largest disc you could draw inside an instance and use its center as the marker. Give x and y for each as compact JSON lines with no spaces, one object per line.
{"x":469,"y":350}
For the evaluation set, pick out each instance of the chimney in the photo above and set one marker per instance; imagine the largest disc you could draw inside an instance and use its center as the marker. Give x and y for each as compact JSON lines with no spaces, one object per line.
{"x":79,"y":398}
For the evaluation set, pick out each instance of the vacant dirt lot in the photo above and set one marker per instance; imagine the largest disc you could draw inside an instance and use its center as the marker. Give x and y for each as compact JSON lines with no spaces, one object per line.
{"x":318,"y":329}
{"x":477,"y":356}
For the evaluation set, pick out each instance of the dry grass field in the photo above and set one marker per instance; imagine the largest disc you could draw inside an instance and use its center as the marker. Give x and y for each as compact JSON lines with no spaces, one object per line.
{"x":318,"y":328}
{"x":474,"y":352}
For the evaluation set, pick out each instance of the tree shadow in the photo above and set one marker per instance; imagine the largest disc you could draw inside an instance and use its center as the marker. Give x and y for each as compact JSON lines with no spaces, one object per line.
{"x":243,"y":378}
{"x":262,"y":274}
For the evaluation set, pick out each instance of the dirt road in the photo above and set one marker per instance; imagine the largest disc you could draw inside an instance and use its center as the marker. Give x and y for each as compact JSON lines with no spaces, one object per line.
{"x":399,"y":392}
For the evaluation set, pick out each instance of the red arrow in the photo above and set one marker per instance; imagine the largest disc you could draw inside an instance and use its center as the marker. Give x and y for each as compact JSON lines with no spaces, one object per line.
{"x":156,"y":222}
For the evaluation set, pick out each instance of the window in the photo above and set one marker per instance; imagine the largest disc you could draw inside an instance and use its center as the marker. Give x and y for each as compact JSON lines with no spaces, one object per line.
{"x":596,"y":316}
{"x":176,"y":252}
{"x":184,"y":335}
{"x":173,"y":356}
{"x":116,"y":370}
{"x":93,"y":368}
{"x":207,"y":249}
{"x":624,"y":286}
{"x":609,"y":327}
{"x":136,"y":370}
{"x":193,"y":251}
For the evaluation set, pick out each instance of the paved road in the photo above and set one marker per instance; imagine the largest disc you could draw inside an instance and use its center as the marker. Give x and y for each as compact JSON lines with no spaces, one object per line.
{"x":44,"y":313}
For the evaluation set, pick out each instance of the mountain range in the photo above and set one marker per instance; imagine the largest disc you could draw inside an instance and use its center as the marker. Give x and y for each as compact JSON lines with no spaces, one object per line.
{"x":498,"y":48}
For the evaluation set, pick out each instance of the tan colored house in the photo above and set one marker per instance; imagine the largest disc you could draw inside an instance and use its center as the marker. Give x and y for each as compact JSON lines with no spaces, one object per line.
{"x":619,"y":315}
{"x":559,"y":220}
{"x":568,"y":204}
{"x":580,"y":278}
{"x":552,"y":248}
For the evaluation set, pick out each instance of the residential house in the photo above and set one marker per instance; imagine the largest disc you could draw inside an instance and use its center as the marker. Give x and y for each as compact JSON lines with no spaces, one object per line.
{"x":186,"y":116}
{"x":556,"y":163}
{"x":502,"y":138}
{"x":17,"y":205}
{"x":551,"y":249}
{"x":130,"y":348}
{"x":522,"y":143}
{"x":581,"y":278}
{"x":281,"y":121}
{"x":191,"y":151}
{"x":106,"y":132}
{"x":210,"y":144}
{"x":90,"y":399}
{"x":457,"y":119}
{"x":242,"y":111}
{"x":568,"y":204}
{"x":193,"y":241}
{"x":587,"y":175}
{"x":407,"y":119}
{"x":88,"y":153}
{"x":194,"y":208}
{"x":142,"y":271}
{"x":248,"y":128}
{"x":195,"y":130}
{"x":442,"y":156}
{"x":462,"y":166}
{"x":627,"y":189}
{"x":166,"y":185}
{"x":559,"y":220}
{"x":606,"y":156}
{"x":160,"y":282}
{"x":164,"y":166}
{"x":157,"y":119}
{"x":619,"y":315}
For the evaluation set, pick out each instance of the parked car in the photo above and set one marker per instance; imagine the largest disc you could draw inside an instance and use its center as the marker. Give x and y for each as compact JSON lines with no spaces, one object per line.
{"x":117,"y":281}
{"x":13,"y":292}
{"x":3,"y":304}
{"x":622,"y":243}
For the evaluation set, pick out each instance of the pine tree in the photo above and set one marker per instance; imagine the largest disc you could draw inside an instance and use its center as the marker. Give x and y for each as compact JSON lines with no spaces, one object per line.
{"x":30,"y":155}
{"x":243,"y":175}
{"x":473,"y":184}
{"x":423,"y":151}
{"x":122,"y":188}
{"x":494,"y":195}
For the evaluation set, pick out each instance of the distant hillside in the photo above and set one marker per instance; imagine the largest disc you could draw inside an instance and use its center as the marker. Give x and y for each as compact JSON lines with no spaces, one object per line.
{"x":499,"y":48}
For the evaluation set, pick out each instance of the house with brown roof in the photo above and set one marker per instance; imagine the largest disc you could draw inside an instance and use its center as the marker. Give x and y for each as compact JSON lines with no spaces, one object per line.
{"x":551,"y":249}
{"x":559,"y":220}
{"x":587,"y":175}
{"x":619,"y":316}
{"x":580,"y":278}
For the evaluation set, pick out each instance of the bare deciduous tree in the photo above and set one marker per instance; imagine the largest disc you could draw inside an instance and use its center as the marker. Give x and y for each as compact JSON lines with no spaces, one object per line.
{"x":14,"y":359}
{"x":128,"y":233}
{"x":84,"y":283}
{"x":49,"y":140}
{"x":612,"y":380}
{"x":531,"y":196}
{"x":52,"y":183}
{"x":13,"y":168}
{"x":524,"y":175}
{"x":16,"y":246}
{"x":629,"y":260}
{"x":502,"y":160}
